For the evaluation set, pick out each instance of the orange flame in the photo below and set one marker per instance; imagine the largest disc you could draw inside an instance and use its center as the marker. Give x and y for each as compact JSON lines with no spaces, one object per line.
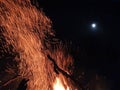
{"x":58,"y":85}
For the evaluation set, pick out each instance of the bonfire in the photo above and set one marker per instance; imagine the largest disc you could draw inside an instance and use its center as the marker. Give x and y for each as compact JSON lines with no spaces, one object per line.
{"x":33,"y":57}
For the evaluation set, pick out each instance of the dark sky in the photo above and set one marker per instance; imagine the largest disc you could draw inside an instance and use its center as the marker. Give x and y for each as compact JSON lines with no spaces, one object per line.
{"x":71,"y":21}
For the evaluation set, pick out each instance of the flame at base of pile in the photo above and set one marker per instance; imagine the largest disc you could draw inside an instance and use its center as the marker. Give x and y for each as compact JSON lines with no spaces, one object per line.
{"x":60,"y":84}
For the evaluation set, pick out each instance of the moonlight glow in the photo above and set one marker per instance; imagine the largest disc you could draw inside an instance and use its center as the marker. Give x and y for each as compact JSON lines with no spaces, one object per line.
{"x":93,"y":25}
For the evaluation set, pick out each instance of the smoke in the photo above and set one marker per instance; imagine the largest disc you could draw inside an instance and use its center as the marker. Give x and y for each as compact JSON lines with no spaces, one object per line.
{"x":27,"y":39}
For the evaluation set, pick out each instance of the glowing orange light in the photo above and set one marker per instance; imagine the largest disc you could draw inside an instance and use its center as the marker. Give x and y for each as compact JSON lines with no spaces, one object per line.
{"x":59,"y":85}
{"x":25,"y":30}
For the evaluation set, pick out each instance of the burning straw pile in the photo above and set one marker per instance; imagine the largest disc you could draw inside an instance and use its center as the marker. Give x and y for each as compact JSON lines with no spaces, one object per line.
{"x":29,"y":52}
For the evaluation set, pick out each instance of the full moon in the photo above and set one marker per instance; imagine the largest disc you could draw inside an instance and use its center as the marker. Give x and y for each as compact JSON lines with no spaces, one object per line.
{"x":93,"y":25}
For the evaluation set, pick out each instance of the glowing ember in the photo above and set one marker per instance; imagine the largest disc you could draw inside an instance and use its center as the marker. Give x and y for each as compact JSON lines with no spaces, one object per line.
{"x":59,"y":85}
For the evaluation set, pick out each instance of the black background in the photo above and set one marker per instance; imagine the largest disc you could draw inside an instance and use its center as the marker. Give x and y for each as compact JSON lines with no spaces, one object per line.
{"x":100,"y":48}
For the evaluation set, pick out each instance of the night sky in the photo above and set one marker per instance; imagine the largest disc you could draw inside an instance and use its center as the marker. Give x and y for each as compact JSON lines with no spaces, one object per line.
{"x":100,"y":46}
